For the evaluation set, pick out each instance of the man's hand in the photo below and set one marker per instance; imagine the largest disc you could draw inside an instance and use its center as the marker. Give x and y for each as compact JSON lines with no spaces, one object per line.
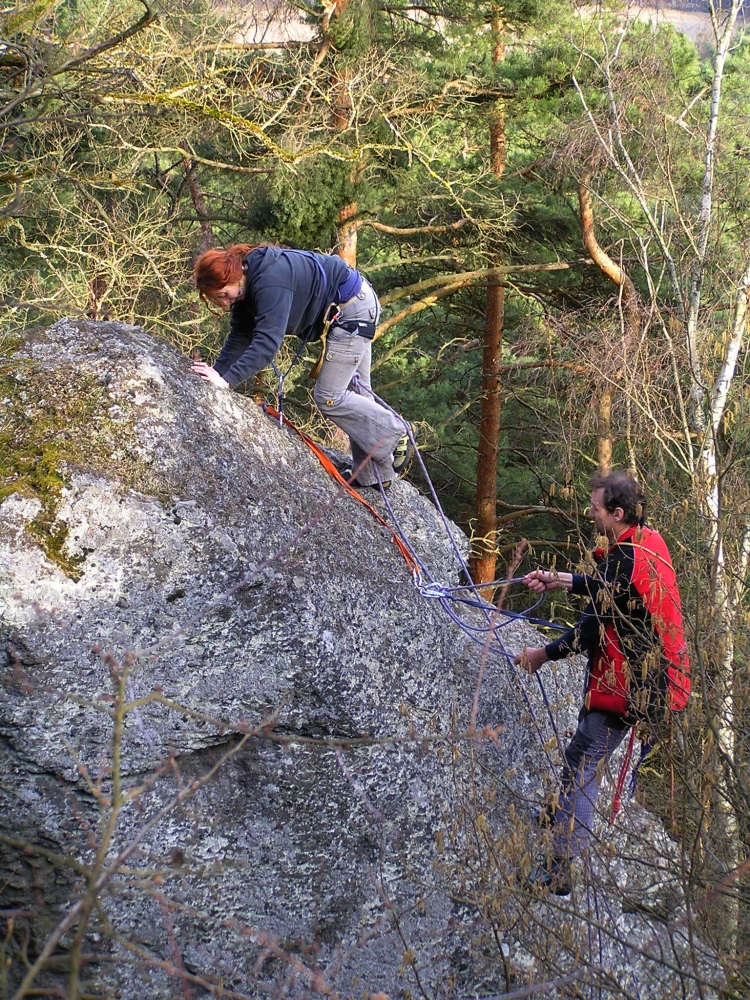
{"x":209,"y":374}
{"x":542,"y":580}
{"x":531,"y":658}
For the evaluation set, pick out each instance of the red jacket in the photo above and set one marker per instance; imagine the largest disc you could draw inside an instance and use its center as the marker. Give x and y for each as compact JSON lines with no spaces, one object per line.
{"x":631,"y":629}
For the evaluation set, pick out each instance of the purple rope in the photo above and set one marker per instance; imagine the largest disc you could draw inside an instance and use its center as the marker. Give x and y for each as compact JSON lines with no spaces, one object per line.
{"x":483,"y":606}
{"x":626,"y":949}
{"x":599,"y":935}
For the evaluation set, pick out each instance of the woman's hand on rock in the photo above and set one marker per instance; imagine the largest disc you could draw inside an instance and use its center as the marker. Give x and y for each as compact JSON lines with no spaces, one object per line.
{"x":209,"y":374}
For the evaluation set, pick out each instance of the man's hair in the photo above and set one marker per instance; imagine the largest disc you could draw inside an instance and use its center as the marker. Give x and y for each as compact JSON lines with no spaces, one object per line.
{"x":621,"y":490}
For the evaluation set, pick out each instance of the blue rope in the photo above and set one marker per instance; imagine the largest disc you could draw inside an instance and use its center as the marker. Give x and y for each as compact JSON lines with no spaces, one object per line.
{"x":437,"y":591}
{"x":491,"y":628}
{"x":514,"y":615}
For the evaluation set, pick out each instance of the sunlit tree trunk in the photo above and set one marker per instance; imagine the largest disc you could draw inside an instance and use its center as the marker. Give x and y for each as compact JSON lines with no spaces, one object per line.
{"x":707,"y":416}
{"x":630,"y":321}
{"x":346,"y":224}
{"x":484,"y":556}
{"x":725,"y":603}
{"x":347,"y":228}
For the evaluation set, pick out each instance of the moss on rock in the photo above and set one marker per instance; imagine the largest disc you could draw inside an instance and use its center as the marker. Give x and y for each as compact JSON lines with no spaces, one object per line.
{"x":52,"y":423}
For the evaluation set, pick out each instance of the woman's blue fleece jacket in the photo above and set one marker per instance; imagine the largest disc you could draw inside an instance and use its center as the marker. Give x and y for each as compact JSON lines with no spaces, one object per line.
{"x":284,"y":293}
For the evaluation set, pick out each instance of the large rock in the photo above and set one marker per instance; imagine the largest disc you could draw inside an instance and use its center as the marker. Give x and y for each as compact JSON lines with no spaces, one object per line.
{"x":216,"y":668}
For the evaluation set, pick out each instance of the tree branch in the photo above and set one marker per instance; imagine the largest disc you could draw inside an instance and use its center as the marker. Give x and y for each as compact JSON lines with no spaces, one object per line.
{"x":147,"y":18}
{"x":480,"y":277}
{"x":395,"y":231}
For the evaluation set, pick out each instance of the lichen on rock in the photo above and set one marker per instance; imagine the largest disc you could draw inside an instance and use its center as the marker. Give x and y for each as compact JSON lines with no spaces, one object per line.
{"x":55,"y":419}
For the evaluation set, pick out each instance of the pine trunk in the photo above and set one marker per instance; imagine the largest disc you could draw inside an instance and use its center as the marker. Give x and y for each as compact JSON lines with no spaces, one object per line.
{"x":347,"y":234}
{"x":484,"y":556}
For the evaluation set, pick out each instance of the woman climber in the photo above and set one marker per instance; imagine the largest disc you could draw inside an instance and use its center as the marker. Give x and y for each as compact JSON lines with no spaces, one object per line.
{"x":270,"y":292}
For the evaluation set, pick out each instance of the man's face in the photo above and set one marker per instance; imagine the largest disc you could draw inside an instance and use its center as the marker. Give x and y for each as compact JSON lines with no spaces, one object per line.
{"x":607,"y":523}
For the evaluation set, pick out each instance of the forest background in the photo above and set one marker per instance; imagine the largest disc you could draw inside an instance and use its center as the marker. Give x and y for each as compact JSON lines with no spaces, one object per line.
{"x":553,"y":204}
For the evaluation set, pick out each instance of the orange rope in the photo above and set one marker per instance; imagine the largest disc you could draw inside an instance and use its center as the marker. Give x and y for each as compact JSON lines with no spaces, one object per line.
{"x":333,"y":471}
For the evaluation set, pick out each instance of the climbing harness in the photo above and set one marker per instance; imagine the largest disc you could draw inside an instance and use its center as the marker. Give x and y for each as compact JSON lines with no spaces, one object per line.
{"x":329,"y":315}
{"x":329,"y":318}
{"x":281,"y":377}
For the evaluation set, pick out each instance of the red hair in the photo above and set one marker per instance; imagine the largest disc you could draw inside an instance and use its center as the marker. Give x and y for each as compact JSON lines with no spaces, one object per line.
{"x":216,"y":268}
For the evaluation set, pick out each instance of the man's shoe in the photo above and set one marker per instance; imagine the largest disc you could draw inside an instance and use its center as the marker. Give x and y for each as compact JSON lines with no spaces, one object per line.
{"x":403,"y":454}
{"x":552,"y":875}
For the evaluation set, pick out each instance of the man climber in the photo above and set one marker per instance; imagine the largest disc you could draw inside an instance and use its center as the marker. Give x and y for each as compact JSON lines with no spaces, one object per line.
{"x":637,"y":666}
{"x":270,"y":292}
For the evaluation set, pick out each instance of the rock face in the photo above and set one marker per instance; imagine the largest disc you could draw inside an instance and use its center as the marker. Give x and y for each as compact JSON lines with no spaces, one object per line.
{"x":226,"y":700}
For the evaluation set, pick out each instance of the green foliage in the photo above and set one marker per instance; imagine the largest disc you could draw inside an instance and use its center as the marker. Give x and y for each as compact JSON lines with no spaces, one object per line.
{"x":352,"y":31}
{"x":303,"y":202}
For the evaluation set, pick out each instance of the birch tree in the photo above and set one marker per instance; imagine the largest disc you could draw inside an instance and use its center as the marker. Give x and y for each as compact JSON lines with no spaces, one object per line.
{"x":696,"y":267}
